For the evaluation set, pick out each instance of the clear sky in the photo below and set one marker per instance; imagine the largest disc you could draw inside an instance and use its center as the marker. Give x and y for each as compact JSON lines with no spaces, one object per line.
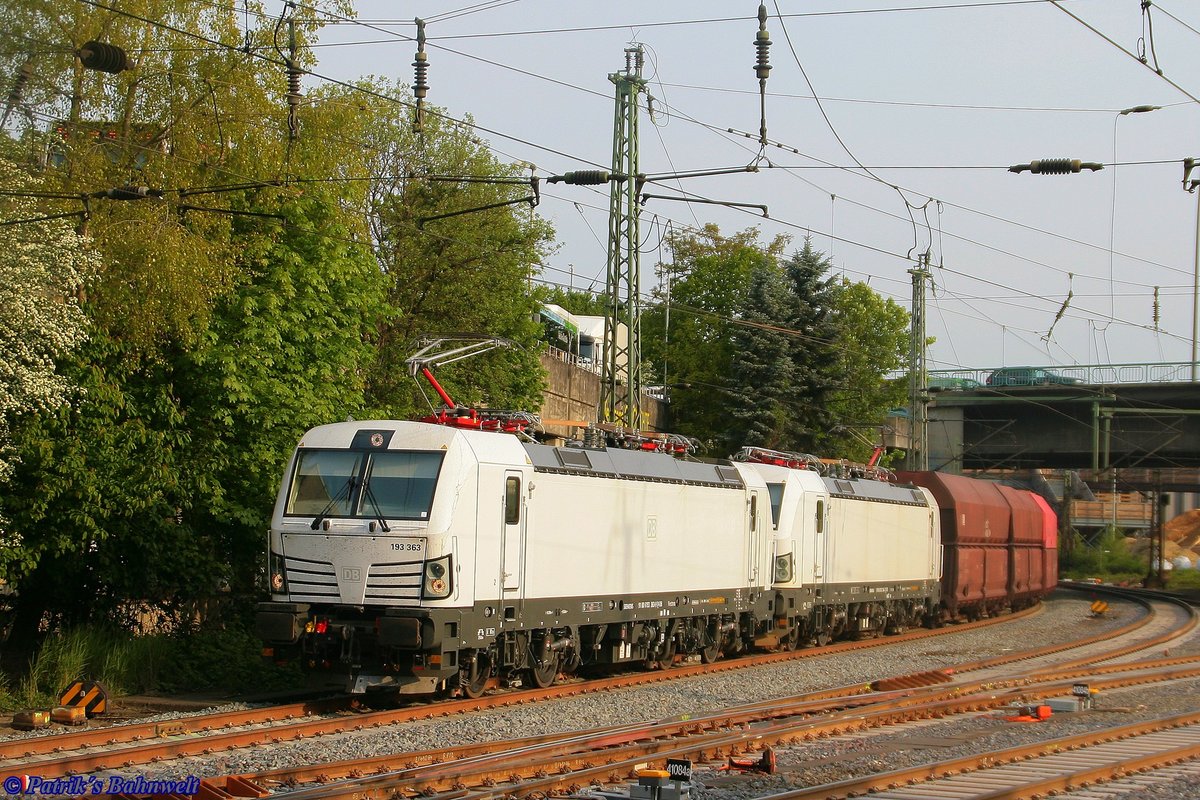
{"x":937,"y":98}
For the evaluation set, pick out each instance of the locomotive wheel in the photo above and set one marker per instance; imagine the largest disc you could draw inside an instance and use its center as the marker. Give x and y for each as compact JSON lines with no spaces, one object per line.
{"x":543,"y":673}
{"x":545,"y":667}
{"x":474,"y":681}
{"x":790,"y":640}
{"x":711,"y":653}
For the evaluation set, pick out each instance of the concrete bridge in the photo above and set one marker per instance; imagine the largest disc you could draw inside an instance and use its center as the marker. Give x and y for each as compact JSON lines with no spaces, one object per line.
{"x":1124,"y":416}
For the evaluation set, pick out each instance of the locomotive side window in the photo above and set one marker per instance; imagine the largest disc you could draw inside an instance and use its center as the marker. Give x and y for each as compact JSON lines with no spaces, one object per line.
{"x":753,"y":512}
{"x":776,"y":492}
{"x":512,"y":501}
{"x":324,"y":482}
{"x":820,"y":516}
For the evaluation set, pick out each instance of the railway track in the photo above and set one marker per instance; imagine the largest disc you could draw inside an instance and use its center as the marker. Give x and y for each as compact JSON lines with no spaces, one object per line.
{"x":123,"y":746}
{"x":1033,"y":771}
{"x":572,"y":762}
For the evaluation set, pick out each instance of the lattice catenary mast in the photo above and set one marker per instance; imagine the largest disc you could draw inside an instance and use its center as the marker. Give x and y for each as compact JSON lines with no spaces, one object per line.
{"x":621,"y":383}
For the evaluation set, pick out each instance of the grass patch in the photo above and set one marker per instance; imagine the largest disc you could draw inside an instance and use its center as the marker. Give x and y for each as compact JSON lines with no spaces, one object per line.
{"x":221,"y":660}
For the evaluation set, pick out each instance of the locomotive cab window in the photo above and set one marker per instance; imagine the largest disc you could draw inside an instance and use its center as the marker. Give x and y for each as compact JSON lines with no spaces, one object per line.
{"x":512,"y":500}
{"x":355,"y":484}
{"x":753,"y":512}
{"x":400,"y":485}
{"x":820,"y":516}
{"x":323,"y":482}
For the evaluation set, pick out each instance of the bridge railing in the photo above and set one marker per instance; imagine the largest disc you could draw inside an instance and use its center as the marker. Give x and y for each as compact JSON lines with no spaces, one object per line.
{"x":1095,"y":374}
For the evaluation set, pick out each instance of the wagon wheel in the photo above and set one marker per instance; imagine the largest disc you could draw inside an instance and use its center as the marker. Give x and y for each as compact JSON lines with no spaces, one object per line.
{"x":474,"y":680}
{"x":545,"y":668}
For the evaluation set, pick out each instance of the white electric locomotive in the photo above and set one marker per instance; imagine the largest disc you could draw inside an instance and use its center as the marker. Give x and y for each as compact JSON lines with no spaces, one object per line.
{"x":427,"y":558}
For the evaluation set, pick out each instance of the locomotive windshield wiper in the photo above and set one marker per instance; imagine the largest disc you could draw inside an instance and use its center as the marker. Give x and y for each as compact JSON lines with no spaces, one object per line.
{"x":345,"y":490}
{"x":383,"y":526}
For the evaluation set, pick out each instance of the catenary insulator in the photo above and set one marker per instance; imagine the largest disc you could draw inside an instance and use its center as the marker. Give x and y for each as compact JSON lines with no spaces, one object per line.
{"x":14,"y":96}
{"x":103,"y":57}
{"x":762,"y":68}
{"x":582,"y":177}
{"x":762,"y":45}
{"x":1055,"y":166}
{"x":293,"y":78}
{"x":420,"y":77}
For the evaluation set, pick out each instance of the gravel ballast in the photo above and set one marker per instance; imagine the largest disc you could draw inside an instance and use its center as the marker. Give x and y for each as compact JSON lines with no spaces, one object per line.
{"x":1066,"y":617}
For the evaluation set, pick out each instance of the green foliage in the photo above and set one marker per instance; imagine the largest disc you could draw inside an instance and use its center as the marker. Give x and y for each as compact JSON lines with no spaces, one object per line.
{"x":772,"y":351}
{"x":577,"y":301}
{"x":210,"y":658}
{"x":468,"y":273}
{"x":763,"y":373}
{"x":1181,"y":579}
{"x":225,"y":660}
{"x":1105,"y":556}
{"x":709,"y":278}
{"x":44,"y":265}
{"x":814,"y":351}
{"x":872,"y":341}
{"x":123,"y":664}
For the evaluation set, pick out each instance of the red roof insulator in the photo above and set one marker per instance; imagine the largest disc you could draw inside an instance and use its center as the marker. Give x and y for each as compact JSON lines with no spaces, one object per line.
{"x":649,"y":445}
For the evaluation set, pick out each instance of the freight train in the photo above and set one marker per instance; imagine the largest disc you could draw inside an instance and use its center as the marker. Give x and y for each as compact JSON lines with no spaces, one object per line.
{"x":427,"y":558}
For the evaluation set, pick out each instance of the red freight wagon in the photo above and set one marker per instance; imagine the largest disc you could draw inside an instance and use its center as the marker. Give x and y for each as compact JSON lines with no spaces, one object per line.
{"x":1026,"y":570}
{"x":1026,"y":521}
{"x":975,"y":519}
{"x":1049,"y":544}
{"x":972,"y":511}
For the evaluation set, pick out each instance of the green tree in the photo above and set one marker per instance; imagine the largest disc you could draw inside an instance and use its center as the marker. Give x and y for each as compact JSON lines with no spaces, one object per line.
{"x":43,"y":268}
{"x":287,"y":350}
{"x":872,"y":342}
{"x":762,"y":371}
{"x":466,"y":273}
{"x":577,"y":301}
{"x":709,"y":278}
{"x":273,"y":286}
{"x":100,"y":502}
{"x":814,"y":352}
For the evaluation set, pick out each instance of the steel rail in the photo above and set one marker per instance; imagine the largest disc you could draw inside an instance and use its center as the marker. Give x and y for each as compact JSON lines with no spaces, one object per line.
{"x":109,"y":735}
{"x":563,"y":764}
{"x":1065,"y":777}
{"x":31,"y":747}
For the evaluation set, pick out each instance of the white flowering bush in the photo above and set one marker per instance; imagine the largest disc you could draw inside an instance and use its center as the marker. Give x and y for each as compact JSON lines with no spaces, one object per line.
{"x":44,"y":266}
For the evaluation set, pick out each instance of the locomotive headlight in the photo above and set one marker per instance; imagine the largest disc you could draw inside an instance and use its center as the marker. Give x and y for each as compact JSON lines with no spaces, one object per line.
{"x":276,"y":574}
{"x":783,"y":568}
{"x":437,"y":579}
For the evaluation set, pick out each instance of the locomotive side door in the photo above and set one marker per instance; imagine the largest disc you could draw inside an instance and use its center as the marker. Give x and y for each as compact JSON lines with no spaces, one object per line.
{"x":755,"y":544}
{"x":820,"y":526}
{"x":514,"y":523}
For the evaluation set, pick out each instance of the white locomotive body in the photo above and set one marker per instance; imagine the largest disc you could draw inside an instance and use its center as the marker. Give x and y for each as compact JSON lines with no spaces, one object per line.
{"x":852,"y":555}
{"x":426,"y":558}
{"x":423,"y":557}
